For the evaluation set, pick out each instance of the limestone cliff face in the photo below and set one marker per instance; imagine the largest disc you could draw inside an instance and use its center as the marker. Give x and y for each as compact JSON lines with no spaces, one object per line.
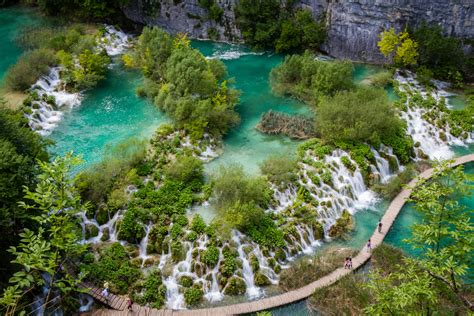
{"x":353,"y":25}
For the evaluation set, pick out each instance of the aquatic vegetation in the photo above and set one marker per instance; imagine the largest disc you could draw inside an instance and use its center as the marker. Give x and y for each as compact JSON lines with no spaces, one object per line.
{"x":343,"y":225}
{"x":293,"y":126}
{"x":280,"y":170}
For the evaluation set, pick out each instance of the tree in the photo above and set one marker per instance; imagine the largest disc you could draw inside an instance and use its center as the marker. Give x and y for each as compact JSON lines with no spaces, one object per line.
{"x":445,"y":239}
{"x":44,"y":254}
{"x":308,"y":79}
{"x":398,"y":47}
{"x":362,"y":115}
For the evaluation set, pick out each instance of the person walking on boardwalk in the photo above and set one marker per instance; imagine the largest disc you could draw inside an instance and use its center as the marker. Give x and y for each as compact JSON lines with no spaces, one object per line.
{"x":369,"y":245}
{"x":346,"y":263}
{"x":129,"y":304}
{"x":380,"y":226}
{"x":105,"y":294}
{"x":349,"y":263}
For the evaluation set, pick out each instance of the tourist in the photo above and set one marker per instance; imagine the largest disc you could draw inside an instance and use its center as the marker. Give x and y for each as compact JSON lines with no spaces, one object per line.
{"x":106,"y":285}
{"x":380,"y":225}
{"x":130,"y":304}
{"x":105,"y":294}
{"x":369,"y":245}
{"x":350,"y":263}
{"x":346,"y":263}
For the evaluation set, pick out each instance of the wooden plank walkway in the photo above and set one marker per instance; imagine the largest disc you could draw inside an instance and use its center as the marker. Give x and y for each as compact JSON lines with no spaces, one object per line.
{"x":296,"y":295}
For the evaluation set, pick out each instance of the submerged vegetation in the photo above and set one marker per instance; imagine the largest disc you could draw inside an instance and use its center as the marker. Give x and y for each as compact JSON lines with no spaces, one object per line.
{"x":293,"y":126}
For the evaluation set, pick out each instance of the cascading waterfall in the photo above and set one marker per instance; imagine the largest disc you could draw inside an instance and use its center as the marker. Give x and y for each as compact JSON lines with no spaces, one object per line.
{"x":142,"y":247}
{"x":213,"y":294}
{"x":53,"y":99}
{"x":432,"y":140}
{"x":383,"y":167}
{"x":45,"y":112}
{"x":252,"y":291}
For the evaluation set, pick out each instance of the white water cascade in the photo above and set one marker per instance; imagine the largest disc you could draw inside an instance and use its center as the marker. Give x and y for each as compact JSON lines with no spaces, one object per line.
{"x":432,"y":140}
{"x":252,"y":291}
{"x":53,"y":99}
{"x":45,"y":112}
{"x":142,"y":247}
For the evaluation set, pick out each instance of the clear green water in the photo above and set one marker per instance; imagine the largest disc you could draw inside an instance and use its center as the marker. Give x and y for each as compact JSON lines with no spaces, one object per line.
{"x":244,"y":144}
{"x":12,"y":20}
{"x":408,"y":216}
{"x":108,"y":114}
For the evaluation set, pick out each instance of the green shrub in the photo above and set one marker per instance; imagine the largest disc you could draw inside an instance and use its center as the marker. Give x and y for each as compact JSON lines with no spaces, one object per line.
{"x":192,"y":296}
{"x":29,"y":68}
{"x":343,"y":224}
{"x":186,"y":169}
{"x":308,"y":79}
{"x":198,"y":225}
{"x":363,"y":115}
{"x":154,"y":290}
{"x":210,"y":256}
{"x":280,"y":169}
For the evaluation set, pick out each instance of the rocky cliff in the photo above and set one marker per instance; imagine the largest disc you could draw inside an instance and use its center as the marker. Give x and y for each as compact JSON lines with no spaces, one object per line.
{"x":353,"y":25}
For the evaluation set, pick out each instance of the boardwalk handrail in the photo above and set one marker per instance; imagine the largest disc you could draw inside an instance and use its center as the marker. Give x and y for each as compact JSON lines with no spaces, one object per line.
{"x":299,"y":294}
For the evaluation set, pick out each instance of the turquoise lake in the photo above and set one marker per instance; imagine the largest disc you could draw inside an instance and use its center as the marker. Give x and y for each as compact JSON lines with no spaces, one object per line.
{"x":112,"y":112}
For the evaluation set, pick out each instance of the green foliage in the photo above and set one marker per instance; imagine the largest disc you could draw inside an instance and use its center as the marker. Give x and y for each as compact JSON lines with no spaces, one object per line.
{"x":192,"y":296}
{"x":362,"y":115}
{"x":265,"y":24}
{"x":210,"y":256}
{"x":155,"y":291}
{"x":214,"y":11}
{"x":394,"y":186}
{"x":48,"y":249}
{"x":93,"y":10}
{"x":90,"y":69}
{"x":29,"y":68}
{"x":198,"y":225}
{"x":343,"y":225}
{"x":131,"y":228}
{"x":300,"y":32}
{"x":114,"y":267}
{"x":187,"y":169}
{"x":399,"y":47}
{"x":442,"y":55}
{"x":97,"y":182}
{"x":185,"y":85}
{"x":280,"y":170}
{"x":308,"y":79}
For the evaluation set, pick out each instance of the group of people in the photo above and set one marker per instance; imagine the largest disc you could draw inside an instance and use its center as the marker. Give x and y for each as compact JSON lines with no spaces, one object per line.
{"x":348,"y":261}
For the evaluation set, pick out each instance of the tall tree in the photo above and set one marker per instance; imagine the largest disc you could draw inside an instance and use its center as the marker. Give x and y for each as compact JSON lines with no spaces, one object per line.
{"x":445,"y":239}
{"x":44,"y":253}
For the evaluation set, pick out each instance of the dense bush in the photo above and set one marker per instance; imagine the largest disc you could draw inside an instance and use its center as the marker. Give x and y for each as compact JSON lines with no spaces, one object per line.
{"x":193,"y":296}
{"x":441,"y":54}
{"x":186,"y":169}
{"x":363,"y":115}
{"x":20,"y":151}
{"x":280,"y":170}
{"x":266,"y":25}
{"x":29,"y":68}
{"x":184,"y":84}
{"x":394,"y":186}
{"x":114,"y":267}
{"x":99,"y":180}
{"x":308,"y":79}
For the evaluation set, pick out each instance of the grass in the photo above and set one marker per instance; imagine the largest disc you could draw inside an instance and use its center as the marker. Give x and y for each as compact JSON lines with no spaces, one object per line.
{"x":14,"y":99}
{"x":306,"y":270}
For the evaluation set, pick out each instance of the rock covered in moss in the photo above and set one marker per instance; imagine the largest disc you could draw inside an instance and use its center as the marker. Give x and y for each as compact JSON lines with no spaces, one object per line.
{"x":185,"y":281}
{"x":261,"y":279}
{"x":91,"y":231}
{"x":343,"y":224}
{"x":235,"y":286}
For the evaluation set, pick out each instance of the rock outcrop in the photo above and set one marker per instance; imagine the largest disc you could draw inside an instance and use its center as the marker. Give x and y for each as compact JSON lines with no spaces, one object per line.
{"x":353,"y":25}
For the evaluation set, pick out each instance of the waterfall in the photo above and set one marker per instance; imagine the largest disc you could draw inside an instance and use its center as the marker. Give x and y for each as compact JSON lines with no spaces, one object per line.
{"x":86,"y":302}
{"x":45,"y":114}
{"x":432,"y":140}
{"x":213,"y":294}
{"x":144,"y":244}
{"x":174,"y":298}
{"x":383,"y":167}
{"x":252,"y":291}
{"x":264,"y":268}
{"x":114,"y":41}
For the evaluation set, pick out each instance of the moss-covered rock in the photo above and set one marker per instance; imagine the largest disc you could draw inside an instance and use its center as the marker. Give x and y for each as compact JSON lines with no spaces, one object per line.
{"x":253,"y":261}
{"x":261,"y":279}
{"x":186,"y":281}
{"x":193,"y":296}
{"x":105,"y":234}
{"x":235,"y":286}
{"x":102,"y":215}
{"x":343,"y":224}
{"x":91,"y":231}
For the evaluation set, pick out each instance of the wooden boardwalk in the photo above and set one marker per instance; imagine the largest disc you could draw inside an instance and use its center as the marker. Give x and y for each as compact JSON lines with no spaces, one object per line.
{"x":296,"y":295}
